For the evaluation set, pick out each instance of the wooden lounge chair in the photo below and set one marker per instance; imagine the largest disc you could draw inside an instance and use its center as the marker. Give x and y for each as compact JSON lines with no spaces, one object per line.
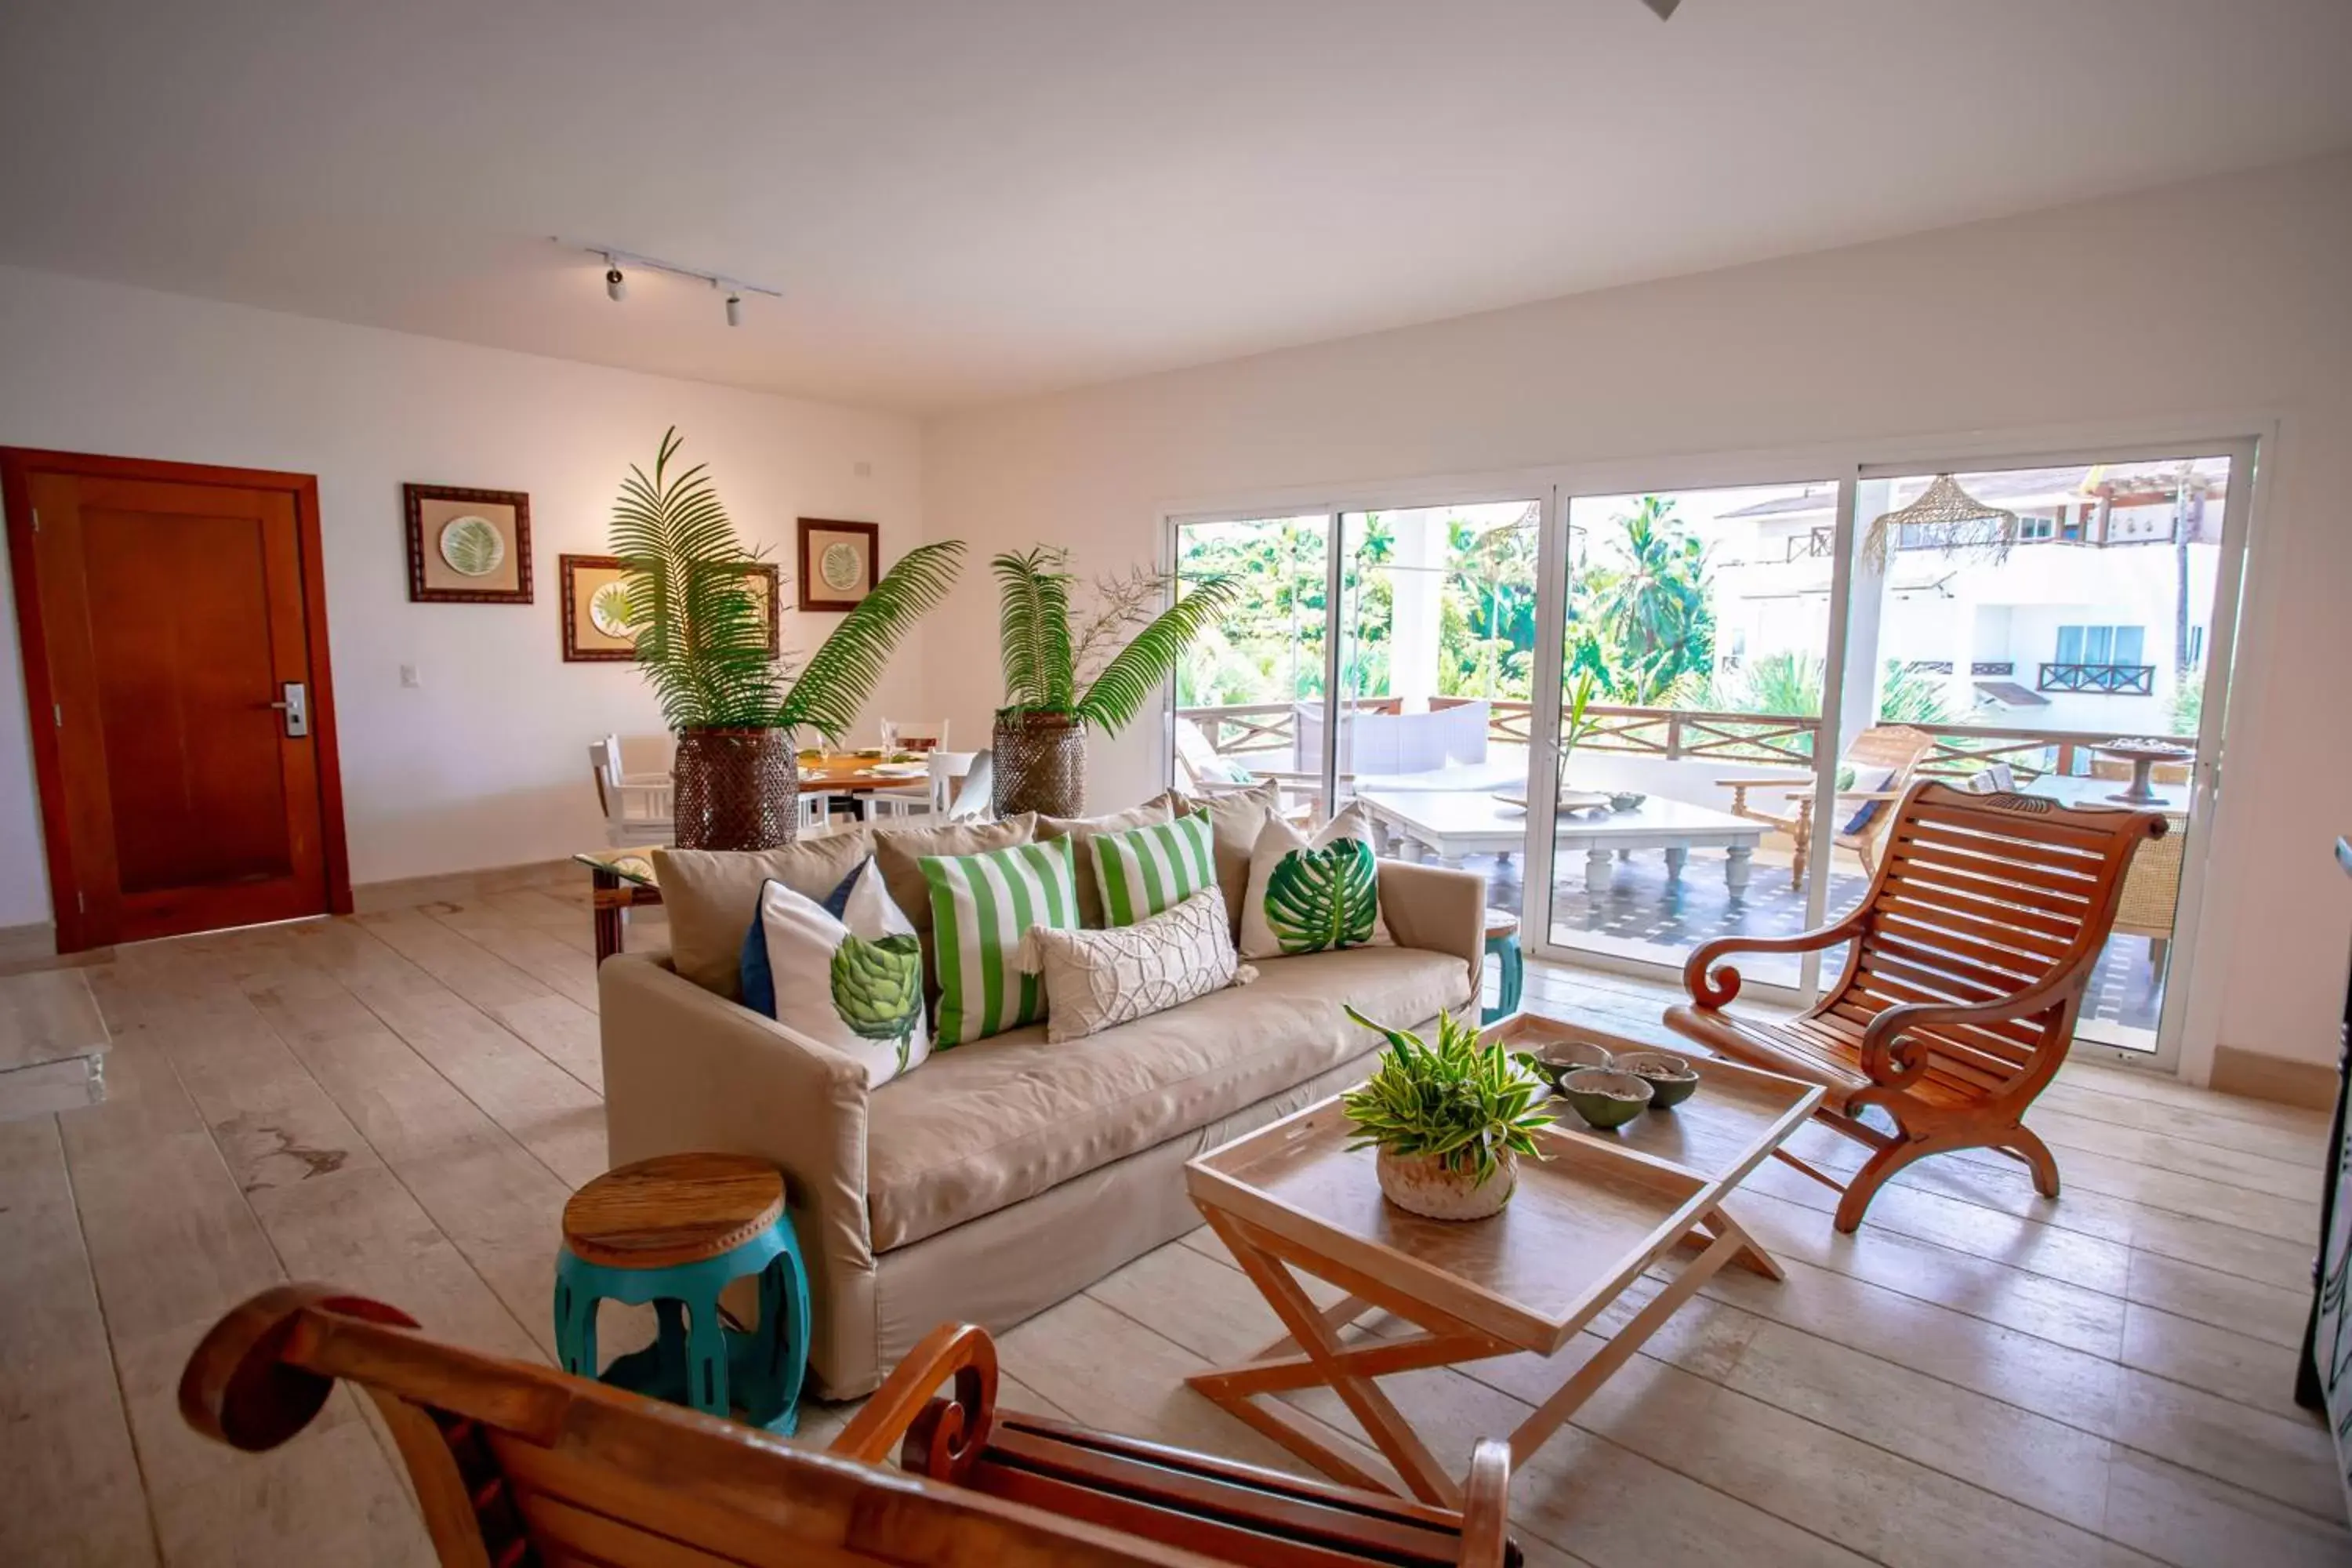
{"x":1895,"y":746}
{"x":1968,"y":962}
{"x":518,"y":1463}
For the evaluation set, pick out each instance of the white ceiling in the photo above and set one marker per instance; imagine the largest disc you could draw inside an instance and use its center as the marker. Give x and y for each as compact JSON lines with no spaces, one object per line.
{"x":969,"y":199}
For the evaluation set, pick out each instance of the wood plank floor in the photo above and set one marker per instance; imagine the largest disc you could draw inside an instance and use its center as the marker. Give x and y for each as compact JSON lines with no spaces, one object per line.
{"x":399,"y":1104}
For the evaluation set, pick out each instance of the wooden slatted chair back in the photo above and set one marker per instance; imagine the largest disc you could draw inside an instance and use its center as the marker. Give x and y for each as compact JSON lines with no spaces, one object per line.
{"x":1981,"y":898}
{"x":516,"y":1464}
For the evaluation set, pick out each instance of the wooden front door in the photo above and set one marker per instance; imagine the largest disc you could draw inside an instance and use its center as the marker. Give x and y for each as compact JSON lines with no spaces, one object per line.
{"x":174,"y":624}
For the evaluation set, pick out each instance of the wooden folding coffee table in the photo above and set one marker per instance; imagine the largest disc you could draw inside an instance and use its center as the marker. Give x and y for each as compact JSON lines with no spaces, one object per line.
{"x":1584,"y":1225}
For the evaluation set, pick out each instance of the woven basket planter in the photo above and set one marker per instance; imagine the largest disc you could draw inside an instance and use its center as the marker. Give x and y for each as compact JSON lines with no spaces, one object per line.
{"x":735,"y":789}
{"x":1041,"y":763}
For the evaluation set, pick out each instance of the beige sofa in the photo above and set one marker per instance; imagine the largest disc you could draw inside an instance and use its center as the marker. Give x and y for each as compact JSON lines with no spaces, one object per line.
{"x":1005,"y":1176}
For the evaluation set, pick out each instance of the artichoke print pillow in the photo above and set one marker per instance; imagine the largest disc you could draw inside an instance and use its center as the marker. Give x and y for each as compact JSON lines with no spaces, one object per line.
{"x":853,"y":981}
{"x":1313,"y":895}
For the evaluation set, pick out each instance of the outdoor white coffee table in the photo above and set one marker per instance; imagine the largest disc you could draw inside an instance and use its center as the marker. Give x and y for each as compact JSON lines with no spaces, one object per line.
{"x":1584,"y":1225}
{"x":1452,"y":824}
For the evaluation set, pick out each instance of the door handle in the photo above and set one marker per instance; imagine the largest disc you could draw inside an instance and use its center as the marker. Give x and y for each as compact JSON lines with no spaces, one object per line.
{"x":295,"y":706}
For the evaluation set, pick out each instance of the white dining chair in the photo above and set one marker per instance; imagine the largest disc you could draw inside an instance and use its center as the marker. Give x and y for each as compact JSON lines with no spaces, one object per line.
{"x":975,"y":801}
{"x":931,"y":799}
{"x":637,"y":807}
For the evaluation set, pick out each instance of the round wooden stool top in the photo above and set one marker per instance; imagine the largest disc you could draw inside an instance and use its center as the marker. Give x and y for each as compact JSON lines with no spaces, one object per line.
{"x":1499,"y":923}
{"x":674,"y":1209}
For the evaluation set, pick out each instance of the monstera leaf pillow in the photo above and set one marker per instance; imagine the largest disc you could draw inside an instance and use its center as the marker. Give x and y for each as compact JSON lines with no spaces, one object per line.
{"x":853,"y":982}
{"x":1312,"y":894}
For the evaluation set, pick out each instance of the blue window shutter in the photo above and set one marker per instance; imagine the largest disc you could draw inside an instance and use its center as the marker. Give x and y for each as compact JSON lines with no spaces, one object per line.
{"x":2070,"y":645}
{"x":2129,"y":641}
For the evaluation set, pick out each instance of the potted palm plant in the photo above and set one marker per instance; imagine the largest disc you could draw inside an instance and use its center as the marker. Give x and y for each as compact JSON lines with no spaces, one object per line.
{"x":1450,"y":1120}
{"x":1041,"y":731}
{"x":702,"y":641}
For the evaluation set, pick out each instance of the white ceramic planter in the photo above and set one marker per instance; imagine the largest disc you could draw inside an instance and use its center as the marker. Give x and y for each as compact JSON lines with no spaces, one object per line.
{"x":1418,"y":1184}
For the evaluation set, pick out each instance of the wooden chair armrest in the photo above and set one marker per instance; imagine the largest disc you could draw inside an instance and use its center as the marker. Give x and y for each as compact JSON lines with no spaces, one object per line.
{"x":1486,"y":1505}
{"x":1719,"y":989}
{"x":948,"y":1445}
{"x":1893,"y":1057}
{"x":1756,"y":783}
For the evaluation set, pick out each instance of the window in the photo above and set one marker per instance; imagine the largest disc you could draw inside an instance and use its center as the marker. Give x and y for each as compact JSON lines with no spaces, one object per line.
{"x":2101,"y":645}
{"x":2032,"y":529}
{"x":2197,"y":648}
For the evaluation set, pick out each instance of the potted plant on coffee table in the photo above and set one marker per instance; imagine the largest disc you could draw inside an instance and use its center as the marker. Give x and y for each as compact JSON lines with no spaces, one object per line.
{"x":702,"y":641}
{"x":1450,"y":1120}
{"x":1041,"y":733}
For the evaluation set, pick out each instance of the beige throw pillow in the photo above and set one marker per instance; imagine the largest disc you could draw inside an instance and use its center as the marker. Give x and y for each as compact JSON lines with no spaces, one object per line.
{"x":1083,"y":829}
{"x":710,"y":896}
{"x":1236,"y":817}
{"x":1314,"y":895}
{"x":1095,"y":979}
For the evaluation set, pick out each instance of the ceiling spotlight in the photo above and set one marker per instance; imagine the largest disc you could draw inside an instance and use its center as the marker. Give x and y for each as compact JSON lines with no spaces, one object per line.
{"x":734,"y":310}
{"x":616,"y":287}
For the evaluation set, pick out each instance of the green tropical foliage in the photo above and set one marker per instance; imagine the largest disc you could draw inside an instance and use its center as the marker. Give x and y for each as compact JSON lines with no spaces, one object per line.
{"x":878,"y":988}
{"x":1642,"y":618}
{"x":1040,"y":652}
{"x":1463,"y":1102}
{"x":1326,"y":898}
{"x":703,"y":633}
{"x":1789,"y":684}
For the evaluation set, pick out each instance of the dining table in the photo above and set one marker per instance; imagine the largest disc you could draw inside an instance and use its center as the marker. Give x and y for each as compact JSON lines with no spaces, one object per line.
{"x":621,"y":879}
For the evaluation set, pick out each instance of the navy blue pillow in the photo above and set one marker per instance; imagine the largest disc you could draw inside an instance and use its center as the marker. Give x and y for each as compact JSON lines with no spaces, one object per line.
{"x":759,"y":980}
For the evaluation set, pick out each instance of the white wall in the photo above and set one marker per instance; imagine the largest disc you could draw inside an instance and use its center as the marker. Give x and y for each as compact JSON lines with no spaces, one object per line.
{"x":486,"y":764}
{"x":2065,"y":318}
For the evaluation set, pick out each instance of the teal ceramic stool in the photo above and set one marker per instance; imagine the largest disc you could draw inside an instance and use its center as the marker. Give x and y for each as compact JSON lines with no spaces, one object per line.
{"x":1503,"y":941}
{"x":673,"y":1232}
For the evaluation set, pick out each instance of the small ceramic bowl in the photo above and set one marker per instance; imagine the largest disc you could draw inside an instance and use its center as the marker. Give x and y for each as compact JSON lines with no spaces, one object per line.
{"x":1670,"y":1077}
{"x":1606,"y":1098}
{"x":1626,"y":800}
{"x":1555,"y":1059}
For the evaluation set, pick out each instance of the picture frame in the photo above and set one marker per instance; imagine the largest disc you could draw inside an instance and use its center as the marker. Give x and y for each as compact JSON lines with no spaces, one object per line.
{"x":592,"y":635}
{"x":467,"y":546}
{"x":838,"y":563}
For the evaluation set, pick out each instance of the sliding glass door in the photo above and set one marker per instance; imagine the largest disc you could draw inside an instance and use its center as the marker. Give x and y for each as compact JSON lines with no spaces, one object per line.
{"x":1696,"y":640}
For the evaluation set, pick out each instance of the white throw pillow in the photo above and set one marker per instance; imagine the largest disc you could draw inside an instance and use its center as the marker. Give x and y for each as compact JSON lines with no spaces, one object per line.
{"x":1313,"y":895}
{"x":1098,"y":979}
{"x":854,"y":984}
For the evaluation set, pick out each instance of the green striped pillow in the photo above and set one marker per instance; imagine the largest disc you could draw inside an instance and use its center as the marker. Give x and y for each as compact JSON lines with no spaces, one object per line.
{"x":1147,"y":870}
{"x":981,"y":906}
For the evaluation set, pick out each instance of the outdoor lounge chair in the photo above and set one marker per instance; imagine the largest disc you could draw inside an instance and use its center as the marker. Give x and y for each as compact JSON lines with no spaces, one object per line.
{"x":1862,"y":814}
{"x":1968,"y":962}
{"x":513,"y":1463}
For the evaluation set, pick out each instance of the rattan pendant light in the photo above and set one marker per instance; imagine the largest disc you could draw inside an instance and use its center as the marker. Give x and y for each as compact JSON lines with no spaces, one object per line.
{"x":1945,"y":518}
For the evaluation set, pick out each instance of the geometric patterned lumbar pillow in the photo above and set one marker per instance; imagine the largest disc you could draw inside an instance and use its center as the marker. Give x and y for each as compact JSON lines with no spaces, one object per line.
{"x":1098,"y":979}
{"x":1315,"y":894}
{"x":1146,"y":870}
{"x":982,"y":907}
{"x":852,"y":982}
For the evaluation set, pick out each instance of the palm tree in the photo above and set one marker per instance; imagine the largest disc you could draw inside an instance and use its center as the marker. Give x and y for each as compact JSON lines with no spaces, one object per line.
{"x":1650,"y":628}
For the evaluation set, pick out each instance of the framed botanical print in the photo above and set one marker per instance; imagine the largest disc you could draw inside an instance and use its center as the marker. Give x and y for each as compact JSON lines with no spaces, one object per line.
{"x":468,"y":547}
{"x":596,"y":624}
{"x":838,"y":565}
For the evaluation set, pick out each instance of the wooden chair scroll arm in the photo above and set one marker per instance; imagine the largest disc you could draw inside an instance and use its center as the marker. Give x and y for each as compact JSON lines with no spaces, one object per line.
{"x":1486,"y":1505}
{"x":942,"y":1438}
{"x":1892,"y":1055}
{"x":252,"y":1381}
{"x":1717,"y":989}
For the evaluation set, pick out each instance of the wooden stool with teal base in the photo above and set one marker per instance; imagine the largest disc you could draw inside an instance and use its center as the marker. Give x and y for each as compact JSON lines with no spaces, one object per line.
{"x":675,"y":1232}
{"x":1503,"y":941}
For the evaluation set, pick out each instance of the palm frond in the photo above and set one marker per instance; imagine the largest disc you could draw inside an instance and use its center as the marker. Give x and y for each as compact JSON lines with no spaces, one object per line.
{"x":703,"y":640}
{"x":839,"y":676}
{"x":1034,"y":629}
{"x":1128,"y":681}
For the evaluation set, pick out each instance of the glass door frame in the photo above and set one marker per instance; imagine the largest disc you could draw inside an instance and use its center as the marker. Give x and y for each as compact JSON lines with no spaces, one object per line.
{"x":1553,"y":569}
{"x":2190,"y":1008}
{"x":2182,"y":987}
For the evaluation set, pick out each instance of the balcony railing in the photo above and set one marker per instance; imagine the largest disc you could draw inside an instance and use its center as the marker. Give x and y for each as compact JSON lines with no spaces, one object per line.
{"x":1266,"y":730}
{"x":2108,"y":680}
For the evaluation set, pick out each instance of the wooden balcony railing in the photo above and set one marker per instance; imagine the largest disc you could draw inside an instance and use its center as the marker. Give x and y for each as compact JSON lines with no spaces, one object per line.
{"x":1773,"y":740}
{"x":2107,"y":680}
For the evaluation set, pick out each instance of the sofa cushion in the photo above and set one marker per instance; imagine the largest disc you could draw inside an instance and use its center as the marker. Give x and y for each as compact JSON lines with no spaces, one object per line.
{"x":1161,"y":808}
{"x":710,"y":896}
{"x":1003,"y":1120}
{"x":900,"y":852}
